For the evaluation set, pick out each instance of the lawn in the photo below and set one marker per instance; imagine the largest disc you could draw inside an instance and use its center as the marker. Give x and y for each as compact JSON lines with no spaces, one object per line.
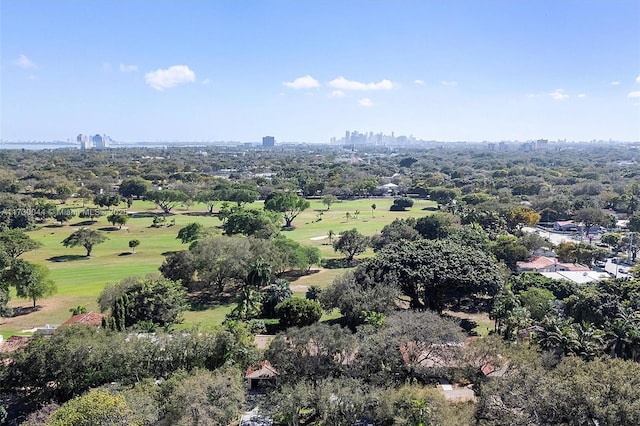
{"x":80,"y":280}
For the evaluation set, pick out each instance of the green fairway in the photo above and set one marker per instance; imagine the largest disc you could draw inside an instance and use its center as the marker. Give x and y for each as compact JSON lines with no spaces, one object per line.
{"x":80,"y":279}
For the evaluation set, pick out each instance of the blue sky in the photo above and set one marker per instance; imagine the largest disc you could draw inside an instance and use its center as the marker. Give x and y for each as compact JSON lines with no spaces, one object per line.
{"x":301,"y":70}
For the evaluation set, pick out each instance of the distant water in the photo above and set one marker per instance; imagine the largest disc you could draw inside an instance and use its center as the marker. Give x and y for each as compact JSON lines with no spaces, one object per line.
{"x":37,"y":146}
{"x":62,"y":145}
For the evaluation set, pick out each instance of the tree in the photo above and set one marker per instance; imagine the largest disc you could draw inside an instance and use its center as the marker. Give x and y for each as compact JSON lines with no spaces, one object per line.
{"x":63,"y":191}
{"x":298,"y":312}
{"x":259,"y":274}
{"x":407,"y":341}
{"x":431,"y":272}
{"x":118,"y":219}
{"x":351,"y":243}
{"x":521,"y":216}
{"x":208,"y":197}
{"x":107,"y":200}
{"x":221,"y":261}
{"x":508,"y":249}
{"x":435,"y":226}
{"x":134,"y":187}
{"x":354,"y":296}
{"x":204,"y":397}
{"x":583,"y":253}
{"x":328,"y":200}
{"x":95,"y":407}
{"x":443,"y":196}
{"x":634,"y":223}
{"x":166,"y":199}
{"x":537,"y":301}
{"x":590,"y":217}
{"x":273,"y":294}
{"x":287,"y":203}
{"x":611,"y":239}
{"x":601,"y":391}
{"x":190,"y":233}
{"x":77,"y":310}
{"x":248,"y":304}
{"x":401,"y":204}
{"x":399,"y":229}
{"x":84,"y":194}
{"x":257,"y":223}
{"x":133,"y":244}
{"x":152,"y":299}
{"x":31,"y":280}
{"x":86,"y":238}
{"x":240,"y":194}
{"x":14,"y":242}
{"x":180,"y":266}
{"x":64,"y":215}
{"x":313,"y":352}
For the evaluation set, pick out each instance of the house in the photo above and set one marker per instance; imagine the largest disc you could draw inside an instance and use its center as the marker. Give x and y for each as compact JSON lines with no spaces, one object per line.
{"x":565,"y":226}
{"x":548,"y":264}
{"x":261,"y":377}
{"x":14,"y":343}
{"x":89,"y":318}
{"x":578,"y":277}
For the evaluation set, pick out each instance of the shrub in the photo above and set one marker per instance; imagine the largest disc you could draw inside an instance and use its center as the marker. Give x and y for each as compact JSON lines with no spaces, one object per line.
{"x":297,"y":312}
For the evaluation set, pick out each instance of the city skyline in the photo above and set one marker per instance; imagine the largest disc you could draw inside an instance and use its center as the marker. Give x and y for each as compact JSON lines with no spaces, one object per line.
{"x":306,"y":71}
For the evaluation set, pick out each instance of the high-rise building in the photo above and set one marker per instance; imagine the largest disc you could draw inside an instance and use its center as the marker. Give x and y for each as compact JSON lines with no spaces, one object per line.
{"x":268,"y":142}
{"x":84,"y":141}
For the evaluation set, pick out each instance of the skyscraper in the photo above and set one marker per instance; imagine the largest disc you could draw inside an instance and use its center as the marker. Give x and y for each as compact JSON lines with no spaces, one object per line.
{"x":268,"y":142}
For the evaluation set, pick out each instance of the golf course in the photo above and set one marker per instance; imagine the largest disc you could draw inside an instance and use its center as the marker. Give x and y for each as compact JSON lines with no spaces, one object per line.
{"x":80,"y":279}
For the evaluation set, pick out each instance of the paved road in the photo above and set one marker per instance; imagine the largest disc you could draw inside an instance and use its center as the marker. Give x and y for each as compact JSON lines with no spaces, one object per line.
{"x":616,"y":270}
{"x":552,"y":236}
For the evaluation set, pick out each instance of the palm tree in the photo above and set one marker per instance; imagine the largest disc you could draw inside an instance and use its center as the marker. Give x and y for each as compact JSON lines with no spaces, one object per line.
{"x":623,"y":335}
{"x":274,"y":294}
{"x":248,"y":304}
{"x":259,"y":274}
{"x":587,"y":341}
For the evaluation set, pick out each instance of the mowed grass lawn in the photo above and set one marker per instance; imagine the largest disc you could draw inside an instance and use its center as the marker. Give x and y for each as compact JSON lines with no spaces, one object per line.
{"x":80,"y":280}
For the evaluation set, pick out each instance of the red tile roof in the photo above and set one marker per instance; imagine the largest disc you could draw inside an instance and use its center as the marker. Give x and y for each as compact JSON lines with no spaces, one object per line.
{"x":266,"y":371}
{"x":90,"y":318}
{"x":14,"y":343}
{"x":536,"y":263}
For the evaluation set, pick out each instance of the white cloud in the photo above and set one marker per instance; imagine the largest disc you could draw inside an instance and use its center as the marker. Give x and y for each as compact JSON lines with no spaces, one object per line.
{"x":365,"y":102}
{"x":342,"y":83}
{"x":306,"y":82}
{"x":635,"y":94}
{"x":582,"y":95}
{"x":449,"y":83}
{"x":559,"y":95}
{"x":128,"y":68}
{"x":336,"y":94}
{"x":419,"y":82}
{"x":614,"y":83}
{"x":638,"y":79}
{"x":170,"y":77}
{"x":24,"y":62}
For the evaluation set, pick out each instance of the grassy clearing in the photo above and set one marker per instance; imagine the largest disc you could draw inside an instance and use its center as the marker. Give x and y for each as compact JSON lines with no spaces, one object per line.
{"x":80,"y":280}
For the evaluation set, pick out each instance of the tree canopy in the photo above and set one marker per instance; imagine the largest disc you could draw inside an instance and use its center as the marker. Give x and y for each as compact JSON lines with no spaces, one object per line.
{"x":287,"y":203}
{"x":86,"y":238}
